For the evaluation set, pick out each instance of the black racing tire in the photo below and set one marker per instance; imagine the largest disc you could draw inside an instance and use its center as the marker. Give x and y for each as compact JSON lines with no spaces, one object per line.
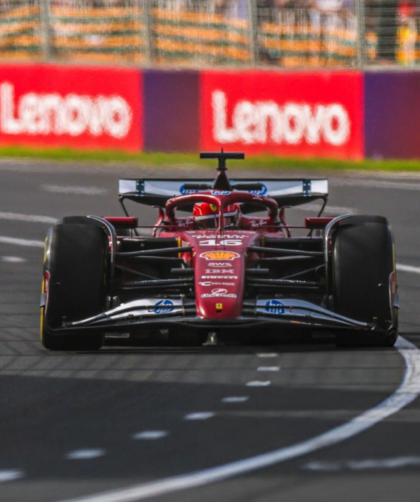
{"x":75,"y":265}
{"x":363,"y":259}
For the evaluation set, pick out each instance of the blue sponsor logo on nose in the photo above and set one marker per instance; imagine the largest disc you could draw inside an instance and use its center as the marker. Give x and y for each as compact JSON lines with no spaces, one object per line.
{"x":274,"y":307}
{"x":164,"y":307}
{"x":263,"y":190}
{"x":185,"y":191}
{"x":220,"y":192}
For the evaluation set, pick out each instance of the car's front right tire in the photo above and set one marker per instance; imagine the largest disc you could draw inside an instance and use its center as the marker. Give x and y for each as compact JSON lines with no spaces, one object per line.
{"x":363,"y":261}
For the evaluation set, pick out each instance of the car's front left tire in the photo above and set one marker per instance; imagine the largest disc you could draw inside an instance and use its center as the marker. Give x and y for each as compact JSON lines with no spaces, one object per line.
{"x":74,"y":284}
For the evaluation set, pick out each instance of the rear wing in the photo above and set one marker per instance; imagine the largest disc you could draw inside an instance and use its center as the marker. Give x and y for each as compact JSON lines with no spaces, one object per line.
{"x":286,"y":192}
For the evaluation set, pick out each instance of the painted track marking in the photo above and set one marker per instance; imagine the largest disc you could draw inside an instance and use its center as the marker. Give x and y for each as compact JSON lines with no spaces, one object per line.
{"x":75,"y":190}
{"x":374,"y":184}
{"x":21,"y":242}
{"x":204,"y":415}
{"x":258,"y":383}
{"x":10,"y":475}
{"x":327,"y":210}
{"x":361,"y":465}
{"x":12,"y":259}
{"x":268,"y":368}
{"x":85,"y":454}
{"x":408,"y":268}
{"x":406,"y":393}
{"x":30,"y":218}
{"x":150,"y":435}
{"x":235,"y":399}
{"x":267,"y":354}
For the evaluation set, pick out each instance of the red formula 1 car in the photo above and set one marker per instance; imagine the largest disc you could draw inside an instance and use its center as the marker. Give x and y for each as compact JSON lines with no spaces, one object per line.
{"x":220,"y":262}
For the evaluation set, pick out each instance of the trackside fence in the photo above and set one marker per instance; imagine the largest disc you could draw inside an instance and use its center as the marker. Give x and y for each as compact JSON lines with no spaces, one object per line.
{"x":362,"y":34}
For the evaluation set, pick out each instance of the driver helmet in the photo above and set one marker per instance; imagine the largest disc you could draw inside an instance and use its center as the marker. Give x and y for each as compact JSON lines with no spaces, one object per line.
{"x":206,"y":215}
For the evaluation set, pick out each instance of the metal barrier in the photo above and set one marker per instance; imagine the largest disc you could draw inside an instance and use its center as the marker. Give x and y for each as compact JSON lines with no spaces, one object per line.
{"x":205,"y":33}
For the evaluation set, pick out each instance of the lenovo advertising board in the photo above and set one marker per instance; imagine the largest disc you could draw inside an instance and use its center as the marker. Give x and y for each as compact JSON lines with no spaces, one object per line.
{"x":290,"y":114}
{"x":82,"y":107}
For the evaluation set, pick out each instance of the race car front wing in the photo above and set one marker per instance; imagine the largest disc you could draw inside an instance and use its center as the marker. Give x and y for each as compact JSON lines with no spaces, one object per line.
{"x":161,"y":313}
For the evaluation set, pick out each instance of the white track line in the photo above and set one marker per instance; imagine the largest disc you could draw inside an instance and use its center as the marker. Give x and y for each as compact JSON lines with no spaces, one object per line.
{"x":328,"y":209}
{"x":235,"y":399}
{"x":31,"y":218}
{"x":267,"y":354}
{"x":361,"y":465}
{"x":21,"y":242}
{"x":12,"y":259}
{"x":268,"y":368}
{"x":75,"y":190}
{"x":408,"y":268}
{"x":150,"y":435}
{"x":406,"y":393}
{"x":204,"y":415}
{"x":85,"y":454}
{"x":10,"y":475}
{"x":258,"y":383}
{"x":374,"y":184}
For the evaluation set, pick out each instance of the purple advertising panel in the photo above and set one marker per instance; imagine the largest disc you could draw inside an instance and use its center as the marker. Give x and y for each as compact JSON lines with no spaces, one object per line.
{"x":392,"y":115}
{"x":171,"y":111}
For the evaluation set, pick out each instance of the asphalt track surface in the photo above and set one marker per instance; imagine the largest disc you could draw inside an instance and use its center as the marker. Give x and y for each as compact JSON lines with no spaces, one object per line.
{"x":83,"y":424}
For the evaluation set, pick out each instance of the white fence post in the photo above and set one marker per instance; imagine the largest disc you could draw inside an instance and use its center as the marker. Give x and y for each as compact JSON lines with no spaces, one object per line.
{"x":361,"y":40}
{"x":45,"y":28}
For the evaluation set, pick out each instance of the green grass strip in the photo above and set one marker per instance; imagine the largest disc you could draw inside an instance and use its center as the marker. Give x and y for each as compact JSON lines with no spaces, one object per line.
{"x":268,"y":162}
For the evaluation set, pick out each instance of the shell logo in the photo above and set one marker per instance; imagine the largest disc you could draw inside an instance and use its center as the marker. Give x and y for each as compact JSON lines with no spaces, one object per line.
{"x":220,"y":255}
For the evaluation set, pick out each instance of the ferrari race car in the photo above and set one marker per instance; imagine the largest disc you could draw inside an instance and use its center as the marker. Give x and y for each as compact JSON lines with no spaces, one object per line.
{"x":220,"y":261}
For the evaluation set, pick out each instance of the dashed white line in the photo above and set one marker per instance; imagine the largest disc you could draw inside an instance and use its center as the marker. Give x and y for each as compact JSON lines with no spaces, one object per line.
{"x":361,"y":465}
{"x":267,"y":354}
{"x":30,"y":218}
{"x":12,"y":259}
{"x":408,"y":268}
{"x":235,"y":399}
{"x":75,"y":190}
{"x":21,"y":242}
{"x":10,"y":475}
{"x":258,"y":383}
{"x":327,"y":210}
{"x":150,"y":435}
{"x":85,"y":454}
{"x":340,"y":182}
{"x":204,"y":415}
{"x":406,"y":393}
{"x":268,"y":368}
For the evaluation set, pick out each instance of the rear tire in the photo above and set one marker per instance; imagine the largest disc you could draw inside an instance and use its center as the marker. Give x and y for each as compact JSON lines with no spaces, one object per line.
{"x":75,"y":270}
{"x":362,"y":262}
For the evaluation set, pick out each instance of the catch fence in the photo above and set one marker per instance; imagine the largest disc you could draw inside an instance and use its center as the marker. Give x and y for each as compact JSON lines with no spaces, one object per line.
{"x":214,"y":33}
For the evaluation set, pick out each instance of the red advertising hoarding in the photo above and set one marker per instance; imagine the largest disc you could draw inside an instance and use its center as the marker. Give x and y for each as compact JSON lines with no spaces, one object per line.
{"x":290,"y":114}
{"x":82,"y":107}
